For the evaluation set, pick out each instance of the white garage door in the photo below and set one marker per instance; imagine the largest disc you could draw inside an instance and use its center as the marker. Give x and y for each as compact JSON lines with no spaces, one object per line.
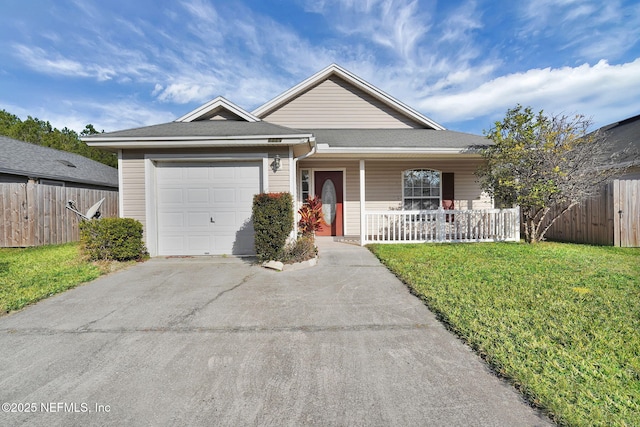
{"x":205,"y":208}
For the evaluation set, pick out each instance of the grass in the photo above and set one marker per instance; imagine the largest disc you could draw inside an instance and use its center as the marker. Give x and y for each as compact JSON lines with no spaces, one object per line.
{"x":31,"y":274}
{"x":560,"y":321}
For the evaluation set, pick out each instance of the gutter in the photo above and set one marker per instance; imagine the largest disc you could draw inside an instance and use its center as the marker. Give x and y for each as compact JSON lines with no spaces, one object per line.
{"x":314,"y":148}
{"x":92,"y":140}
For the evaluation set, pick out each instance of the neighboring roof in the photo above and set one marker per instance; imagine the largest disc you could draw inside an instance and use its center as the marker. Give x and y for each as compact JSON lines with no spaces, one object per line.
{"x":394,"y":140}
{"x":625,"y":134}
{"x":214,"y":107}
{"x":336,"y":70}
{"x":25,"y":159}
{"x":200,"y":133}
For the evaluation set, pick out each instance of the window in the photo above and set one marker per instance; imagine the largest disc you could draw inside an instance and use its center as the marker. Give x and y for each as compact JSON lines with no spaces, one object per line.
{"x":421,"y":189}
{"x":305,"y":184}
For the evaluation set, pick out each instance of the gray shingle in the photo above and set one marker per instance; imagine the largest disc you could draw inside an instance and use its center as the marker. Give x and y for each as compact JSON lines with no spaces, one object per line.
{"x":405,"y":138}
{"x":23,"y":158}
{"x":213,"y":128}
{"x":625,"y":134}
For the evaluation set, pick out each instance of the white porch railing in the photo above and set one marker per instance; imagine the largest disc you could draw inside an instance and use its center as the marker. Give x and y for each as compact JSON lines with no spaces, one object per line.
{"x":486,"y":225}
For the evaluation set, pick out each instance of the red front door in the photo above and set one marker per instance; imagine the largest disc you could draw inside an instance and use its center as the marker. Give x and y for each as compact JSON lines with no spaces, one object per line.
{"x":328,"y":186}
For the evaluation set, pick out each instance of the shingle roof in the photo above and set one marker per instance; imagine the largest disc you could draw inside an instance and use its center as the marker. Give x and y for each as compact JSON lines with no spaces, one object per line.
{"x":405,"y":138}
{"x":23,"y":158}
{"x":212,"y":128}
{"x":625,"y":134}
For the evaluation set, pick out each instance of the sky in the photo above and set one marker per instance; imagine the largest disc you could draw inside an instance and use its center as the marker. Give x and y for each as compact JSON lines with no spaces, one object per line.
{"x":120,"y":64}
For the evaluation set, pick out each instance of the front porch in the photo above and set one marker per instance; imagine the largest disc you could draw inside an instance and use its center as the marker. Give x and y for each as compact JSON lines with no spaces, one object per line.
{"x":407,"y":201}
{"x":440,"y":226}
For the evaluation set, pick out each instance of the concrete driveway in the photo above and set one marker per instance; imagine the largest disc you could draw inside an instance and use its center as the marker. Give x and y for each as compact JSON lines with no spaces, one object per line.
{"x":217,"y":341}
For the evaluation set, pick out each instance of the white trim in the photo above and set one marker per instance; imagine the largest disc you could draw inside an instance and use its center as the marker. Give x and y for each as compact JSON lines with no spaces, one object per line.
{"x":120,"y":186}
{"x":363,"y":229}
{"x":422,"y":169}
{"x":326,"y":149}
{"x":197,"y":141}
{"x":361,"y":84}
{"x":150,"y":160}
{"x":312,"y":190}
{"x":292,"y":190}
{"x":218,"y":102}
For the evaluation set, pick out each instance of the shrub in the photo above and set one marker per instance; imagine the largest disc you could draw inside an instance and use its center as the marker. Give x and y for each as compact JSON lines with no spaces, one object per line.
{"x":115,"y":239}
{"x":301,"y":250}
{"x":272,"y":223}
{"x":310,"y":216}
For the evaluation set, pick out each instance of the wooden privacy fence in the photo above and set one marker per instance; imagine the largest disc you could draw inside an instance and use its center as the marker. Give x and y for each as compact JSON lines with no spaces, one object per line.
{"x":612,"y":218}
{"x":35,"y":214}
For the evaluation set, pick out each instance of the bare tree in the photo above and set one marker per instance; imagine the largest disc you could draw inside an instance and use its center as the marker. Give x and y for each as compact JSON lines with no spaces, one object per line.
{"x":546,"y":165}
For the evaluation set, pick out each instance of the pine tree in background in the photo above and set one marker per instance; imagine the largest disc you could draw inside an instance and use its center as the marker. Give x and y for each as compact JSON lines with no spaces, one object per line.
{"x":39,"y":132}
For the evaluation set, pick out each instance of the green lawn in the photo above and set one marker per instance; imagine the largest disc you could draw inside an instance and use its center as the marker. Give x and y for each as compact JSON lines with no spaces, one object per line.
{"x":560,"y":321}
{"x":31,"y":274}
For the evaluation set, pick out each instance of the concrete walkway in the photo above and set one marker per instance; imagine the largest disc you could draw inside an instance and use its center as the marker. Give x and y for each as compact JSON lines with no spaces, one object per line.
{"x":218,"y":341}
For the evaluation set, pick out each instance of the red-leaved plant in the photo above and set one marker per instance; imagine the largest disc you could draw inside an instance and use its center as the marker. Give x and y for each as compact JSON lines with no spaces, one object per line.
{"x":310,"y":216}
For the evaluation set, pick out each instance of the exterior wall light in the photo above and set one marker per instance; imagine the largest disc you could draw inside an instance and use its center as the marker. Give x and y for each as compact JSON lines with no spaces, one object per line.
{"x":276,"y":163}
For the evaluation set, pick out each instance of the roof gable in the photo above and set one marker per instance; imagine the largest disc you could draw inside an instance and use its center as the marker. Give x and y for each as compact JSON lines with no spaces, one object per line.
{"x":218,"y":109}
{"x":364,"y":105}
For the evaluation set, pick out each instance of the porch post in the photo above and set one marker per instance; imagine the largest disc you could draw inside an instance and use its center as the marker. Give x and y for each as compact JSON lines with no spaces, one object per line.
{"x":363,"y":229}
{"x":293,"y":187}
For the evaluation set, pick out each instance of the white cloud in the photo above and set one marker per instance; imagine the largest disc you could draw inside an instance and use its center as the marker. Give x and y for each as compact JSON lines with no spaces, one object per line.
{"x":395,"y":24}
{"x":599,"y":91}
{"x":460,"y":23}
{"x":592,"y":29}
{"x":108,"y":116}
{"x":36,"y":58}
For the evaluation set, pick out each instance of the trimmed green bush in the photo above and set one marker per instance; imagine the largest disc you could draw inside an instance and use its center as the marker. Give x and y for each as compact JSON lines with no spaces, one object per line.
{"x":115,"y":239}
{"x":272,"y":223}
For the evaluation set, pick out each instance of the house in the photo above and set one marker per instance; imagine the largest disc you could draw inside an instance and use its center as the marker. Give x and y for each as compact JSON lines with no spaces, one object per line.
{"x":22,"y":162}
{"x":37,"y":182}
{"x":382,"y":170}
{"x":613,"y":217}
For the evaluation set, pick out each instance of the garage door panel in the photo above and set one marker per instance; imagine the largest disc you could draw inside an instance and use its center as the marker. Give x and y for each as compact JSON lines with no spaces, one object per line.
{"x":245,"y":195}
{"x":198,"y":195}
{"x":172,"y":219}
{"x":199,"y":220}
{"x":168,"y":243}
{"x":198,"y":243}
{"x":190,"y":194}
{"x":224,"y":195}
{"x":248,"y":173}
{"x":171,"y":173}
{"x":224,"y":173}
{"x":171,"y":195}
{"x":224,"y":220}
{"x":195,"y":172}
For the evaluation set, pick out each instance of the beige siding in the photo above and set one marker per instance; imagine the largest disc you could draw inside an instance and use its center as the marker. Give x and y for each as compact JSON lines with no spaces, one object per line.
{"x":383,"y":184}
{"x":335,"y":103}
{"x":280,"y":181}
{"x":133,"y":174}
{"x":132,"y":186}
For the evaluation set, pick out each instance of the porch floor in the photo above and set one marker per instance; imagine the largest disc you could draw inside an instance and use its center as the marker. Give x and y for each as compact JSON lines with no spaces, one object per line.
{"x":351,"y":239}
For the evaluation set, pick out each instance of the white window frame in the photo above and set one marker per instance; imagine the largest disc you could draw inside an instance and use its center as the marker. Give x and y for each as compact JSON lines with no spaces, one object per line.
{"x":422,"y":197}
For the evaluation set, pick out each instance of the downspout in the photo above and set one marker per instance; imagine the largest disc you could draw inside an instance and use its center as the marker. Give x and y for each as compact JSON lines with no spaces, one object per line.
{"x":312,"y":142}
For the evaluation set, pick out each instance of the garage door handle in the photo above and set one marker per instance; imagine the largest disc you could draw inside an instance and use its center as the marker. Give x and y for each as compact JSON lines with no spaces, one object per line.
{"x":212,"y":220}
